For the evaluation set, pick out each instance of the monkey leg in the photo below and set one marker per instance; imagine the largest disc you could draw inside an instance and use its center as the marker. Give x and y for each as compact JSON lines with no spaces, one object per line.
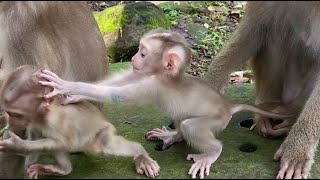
{"x":168,"y":137}
{"x":198,"y":133}
{"x":119,"y":146}
{"x":62,"y":167}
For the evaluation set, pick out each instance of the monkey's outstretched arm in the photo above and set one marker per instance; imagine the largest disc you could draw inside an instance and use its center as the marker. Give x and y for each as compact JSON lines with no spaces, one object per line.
{"x":120,"y":79}
{"x":77,"y":91}
{"x":18,"y":145}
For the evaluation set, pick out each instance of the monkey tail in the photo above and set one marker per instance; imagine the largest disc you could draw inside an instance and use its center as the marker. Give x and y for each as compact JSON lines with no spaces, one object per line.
{"x":244,"y":107}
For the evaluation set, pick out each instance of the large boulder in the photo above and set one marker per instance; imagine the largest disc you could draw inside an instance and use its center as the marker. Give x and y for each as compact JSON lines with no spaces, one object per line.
{"x":123,"y":25}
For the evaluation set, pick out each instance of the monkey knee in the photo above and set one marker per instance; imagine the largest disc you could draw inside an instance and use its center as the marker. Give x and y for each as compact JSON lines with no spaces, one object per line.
{"x":68,"y":170}
{"x":187,"y":128}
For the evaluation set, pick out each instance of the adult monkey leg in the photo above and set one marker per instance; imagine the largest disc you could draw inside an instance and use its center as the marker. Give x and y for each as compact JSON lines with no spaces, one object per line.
{"x":236,"y":51}
{"x":62,"y":36}
{"x":285,"y":68}
{"x":245,"y":44}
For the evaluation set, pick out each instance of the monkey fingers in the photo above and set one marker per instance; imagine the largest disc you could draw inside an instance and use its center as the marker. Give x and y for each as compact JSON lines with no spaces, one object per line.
{"x":298,"y":170}
{"x":265,"y":127}
{"x":283,"y":124}
{"x":168,"y":137}
{"x":160,"y":134}
{"x":50,"y":76}
{"x":149,"y":167}
{"x":291,"y":168}
{"x":202,"y":164}
{"x":35,"y":170}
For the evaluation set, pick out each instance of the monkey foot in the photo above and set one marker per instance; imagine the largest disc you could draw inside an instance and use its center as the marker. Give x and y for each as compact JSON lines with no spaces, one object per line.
{"x":147,"y":166}
{"x":36,"y":169}
{"x":202,"y":163}
{"x":290,"y":168}
{"x":168,"y":137}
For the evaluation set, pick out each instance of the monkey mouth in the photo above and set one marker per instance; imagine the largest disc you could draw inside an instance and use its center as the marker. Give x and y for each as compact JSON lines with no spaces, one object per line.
{"x":136,"y":69}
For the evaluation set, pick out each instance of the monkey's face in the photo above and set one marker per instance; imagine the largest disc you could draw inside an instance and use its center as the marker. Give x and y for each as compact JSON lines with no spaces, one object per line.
{"x":17,"y":120}
{"x":147,"y":60}
{"x":21,"y":110}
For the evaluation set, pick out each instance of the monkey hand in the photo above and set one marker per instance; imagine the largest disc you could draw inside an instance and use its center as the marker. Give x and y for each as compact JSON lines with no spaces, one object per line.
{"x":265,"y":126}
{"x":13,"y":143}
{"x":296,"y":158}
{"x":168,"y":137}
{"x":33,"y":171}
{"x":59,"y":85}
{"x":69,"y":99}
{"x":147,"y":165}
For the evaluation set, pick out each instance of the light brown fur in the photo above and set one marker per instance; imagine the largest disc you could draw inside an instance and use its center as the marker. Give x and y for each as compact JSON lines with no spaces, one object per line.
{"x":58,"y":130}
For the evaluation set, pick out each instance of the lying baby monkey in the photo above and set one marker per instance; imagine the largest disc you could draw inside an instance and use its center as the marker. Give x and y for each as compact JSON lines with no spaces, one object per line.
{"x":158,"y":76}
{"x":56,"y":129}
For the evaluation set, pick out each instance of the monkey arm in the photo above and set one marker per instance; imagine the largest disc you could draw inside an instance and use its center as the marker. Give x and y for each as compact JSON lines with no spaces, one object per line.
{"x":121,"y":79}
{"x":298,"y":149}
{"x":18,"y":145}
{"x":144,"y":89}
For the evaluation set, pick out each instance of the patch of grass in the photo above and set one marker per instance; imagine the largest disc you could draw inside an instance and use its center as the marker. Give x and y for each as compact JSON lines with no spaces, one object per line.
{"x":170,"y":12}
{"x":119,"y":66}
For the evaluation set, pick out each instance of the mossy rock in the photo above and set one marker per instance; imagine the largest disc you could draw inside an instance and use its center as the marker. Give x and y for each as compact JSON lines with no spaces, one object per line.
{"x":122,"y":26}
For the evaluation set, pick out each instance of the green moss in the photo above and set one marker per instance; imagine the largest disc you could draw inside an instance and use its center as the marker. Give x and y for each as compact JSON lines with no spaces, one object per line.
{"x":109,"y":20}
{"x":157,"y":23}
{"x":144,"y":14}
{"x":116,"y":67}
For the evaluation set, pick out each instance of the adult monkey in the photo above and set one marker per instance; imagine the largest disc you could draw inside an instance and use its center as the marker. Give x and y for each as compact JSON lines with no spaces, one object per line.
{"x":60,"y":35}
{"x":282,"y":40}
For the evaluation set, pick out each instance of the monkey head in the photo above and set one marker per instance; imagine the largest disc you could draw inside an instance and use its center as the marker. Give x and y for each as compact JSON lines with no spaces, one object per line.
{"x":161,"y":52}
{"x":22,"y":95}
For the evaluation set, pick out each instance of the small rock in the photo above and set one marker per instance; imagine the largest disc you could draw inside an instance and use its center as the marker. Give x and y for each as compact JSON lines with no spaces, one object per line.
{"x":238,"y":6}
{"x":211,"y":8}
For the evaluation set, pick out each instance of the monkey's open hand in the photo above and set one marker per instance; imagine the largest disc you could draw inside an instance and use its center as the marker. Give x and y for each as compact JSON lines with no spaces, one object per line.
{"x":13,"y":143}
{"x":296,"y":158}
{"x":34,"y":170}
{"x":168,"y":137}
{"x":145,"y":165}
{"x":60,"y":86}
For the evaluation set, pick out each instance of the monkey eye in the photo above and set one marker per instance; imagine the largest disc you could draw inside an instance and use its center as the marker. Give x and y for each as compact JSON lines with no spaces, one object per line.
{"x":15,"y":115}
{"x":143,"y":52}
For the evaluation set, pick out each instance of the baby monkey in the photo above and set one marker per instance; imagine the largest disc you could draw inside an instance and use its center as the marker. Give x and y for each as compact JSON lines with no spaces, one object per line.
{"x":158,"y":75}
{"x":57,"y":130}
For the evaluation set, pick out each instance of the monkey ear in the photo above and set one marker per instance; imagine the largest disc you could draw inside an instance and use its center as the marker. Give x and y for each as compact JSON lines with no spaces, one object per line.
{"x":174,"y":59}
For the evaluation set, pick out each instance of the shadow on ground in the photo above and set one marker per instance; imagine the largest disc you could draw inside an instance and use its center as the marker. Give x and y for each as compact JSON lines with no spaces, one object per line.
{"x":132,"y":122}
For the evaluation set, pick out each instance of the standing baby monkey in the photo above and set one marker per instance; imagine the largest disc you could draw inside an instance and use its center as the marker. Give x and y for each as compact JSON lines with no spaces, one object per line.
{"x":158,"y":76}
{"x":57,"y":130}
